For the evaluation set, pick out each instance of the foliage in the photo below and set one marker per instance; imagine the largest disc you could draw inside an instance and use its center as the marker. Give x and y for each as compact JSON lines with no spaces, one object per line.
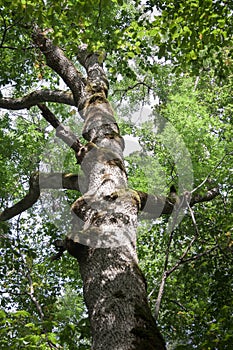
{"x":196,"y":34}
{"x":193,"y":36}
{"x":195,"y":313}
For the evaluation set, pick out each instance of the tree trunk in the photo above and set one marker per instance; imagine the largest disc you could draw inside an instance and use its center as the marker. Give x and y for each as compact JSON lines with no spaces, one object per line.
{"x":115,"y":295}
{"x":103,"y":238}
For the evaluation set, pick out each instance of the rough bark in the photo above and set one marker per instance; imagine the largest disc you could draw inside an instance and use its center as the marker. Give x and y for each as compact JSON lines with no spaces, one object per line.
{"x":36,"y":97}
{"x":56,"y":59}
{"x":115,"y":293}
{"x":106,"y":220}
{"x":114,"y":287}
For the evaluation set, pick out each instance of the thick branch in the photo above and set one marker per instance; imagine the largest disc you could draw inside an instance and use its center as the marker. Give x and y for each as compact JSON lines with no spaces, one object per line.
{"x":38,"y":182}
{"x":158,"y":205}
{"x":24,"y":204}
{"x":56,"y":59}
{"x":208,"y":196}
{"x":37,"y":97}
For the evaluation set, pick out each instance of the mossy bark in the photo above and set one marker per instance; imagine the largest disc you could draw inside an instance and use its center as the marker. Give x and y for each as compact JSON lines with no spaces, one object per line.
{"x":103,"y":238}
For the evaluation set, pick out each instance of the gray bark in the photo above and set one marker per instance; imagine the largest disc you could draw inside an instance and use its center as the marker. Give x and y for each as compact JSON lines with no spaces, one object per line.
{"x":103,"y":238}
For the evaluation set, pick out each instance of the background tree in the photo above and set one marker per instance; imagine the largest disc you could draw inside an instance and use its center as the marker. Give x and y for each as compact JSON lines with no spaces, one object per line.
{"x":39,"y":308}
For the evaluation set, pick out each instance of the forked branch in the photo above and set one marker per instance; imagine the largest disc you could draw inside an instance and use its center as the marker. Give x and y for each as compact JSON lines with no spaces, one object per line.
{"x":56,"y":59}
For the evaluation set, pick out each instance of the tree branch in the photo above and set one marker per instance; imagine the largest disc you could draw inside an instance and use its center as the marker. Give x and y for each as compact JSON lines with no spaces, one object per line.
{"x":27,"y":273}
{"x":181,"y":258}
{"x":150,"y":203}
{"x":167,"y":272}
{"x":177,"y":207}
{"x":159,"y":205}
{"x":6,"y":28}
{"x":153,"y":204}
{"x":160,"y":294}
{"x":4,"y":31}
{"x":198,"y":256}
{"x":16,"y":48}
{"x":208,"y":196}
{"x":36,"y":183}
{"x":56,"y":59}
{"x":37,"y":97}
{"x":131,"y":87}
{"x":62,"y":131}
{"x":32,"y":296}
{"x":212,"y":171}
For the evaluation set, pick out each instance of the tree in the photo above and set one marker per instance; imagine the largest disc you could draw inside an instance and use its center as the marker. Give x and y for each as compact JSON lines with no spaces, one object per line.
{"x":103,"y":233}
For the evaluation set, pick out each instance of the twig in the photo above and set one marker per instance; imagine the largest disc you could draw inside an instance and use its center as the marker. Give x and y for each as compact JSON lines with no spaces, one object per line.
{"x":6,"y":28}
{"x":31,"y":292}
{"x":12,"y":293}
{"x":99,"y":14}
{"x":167,"y":272}
{"x":16,"y":48}
{"x":213,"y":170}
{"x":179,"y":304}
{"x":131,"y":87}
{"x":196,"y":83}
{"x":4,"y":31}
{"x":198,"y":256}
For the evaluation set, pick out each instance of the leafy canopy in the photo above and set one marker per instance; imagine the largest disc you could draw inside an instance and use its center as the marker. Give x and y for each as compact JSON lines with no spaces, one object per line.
{"x":194,"y":36}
